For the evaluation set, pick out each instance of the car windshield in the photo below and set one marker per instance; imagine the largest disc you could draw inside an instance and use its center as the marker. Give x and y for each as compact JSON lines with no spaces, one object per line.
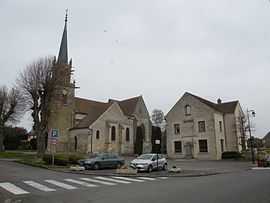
{"x":92,"y":156}
{"x":145,"y":156}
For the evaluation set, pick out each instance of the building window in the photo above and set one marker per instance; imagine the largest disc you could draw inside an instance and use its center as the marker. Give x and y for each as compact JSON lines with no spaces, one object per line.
{"x":220,"y":126}
{"x":97,"y":134}
{"x":127,"y":134}
{"x":222,"y":145}
{"x":201,"y":126}
{"x":203,"y":146}
{"x":177,"y":147}
{"x":187,"y":110}
{"x":177,"y":128}
{"x":113,"y":133}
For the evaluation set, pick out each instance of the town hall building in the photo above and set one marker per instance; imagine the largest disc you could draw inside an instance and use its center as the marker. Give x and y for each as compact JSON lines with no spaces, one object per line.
{"x":200,"y":129}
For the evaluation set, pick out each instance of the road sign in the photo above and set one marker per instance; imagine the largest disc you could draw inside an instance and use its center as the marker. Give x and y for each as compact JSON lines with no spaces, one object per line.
{"x":55,"y":133}
{"x":157,"y":141}
{"x":54,"y":141}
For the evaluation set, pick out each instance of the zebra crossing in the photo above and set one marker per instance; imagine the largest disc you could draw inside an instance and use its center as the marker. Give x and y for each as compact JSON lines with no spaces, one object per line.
{"x":71,"y":183}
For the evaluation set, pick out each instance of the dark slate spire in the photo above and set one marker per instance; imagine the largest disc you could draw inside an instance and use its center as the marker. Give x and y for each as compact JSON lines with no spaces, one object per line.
{"x":63,"y":52}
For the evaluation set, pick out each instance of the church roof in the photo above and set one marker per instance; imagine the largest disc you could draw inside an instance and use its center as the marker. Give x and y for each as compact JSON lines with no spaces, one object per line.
{"x":63,"y":52}
{"x":128,"y":106}
{"x":94,"y":109}
{"x":227,"y":107}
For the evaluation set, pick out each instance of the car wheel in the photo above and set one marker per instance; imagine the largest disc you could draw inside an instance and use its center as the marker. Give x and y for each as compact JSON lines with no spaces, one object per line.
{"x":96,"y":166}
{"x":118,"y":165}
{"x":164,"y":168}
{"x":150,"y":168}
{"x":87,"y":166}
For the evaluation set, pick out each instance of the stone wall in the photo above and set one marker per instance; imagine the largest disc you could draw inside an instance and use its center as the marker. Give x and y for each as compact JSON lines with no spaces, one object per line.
{"x":189,"y":134}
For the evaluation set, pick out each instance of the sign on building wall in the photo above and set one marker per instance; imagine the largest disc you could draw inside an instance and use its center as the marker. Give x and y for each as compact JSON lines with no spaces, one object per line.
{"x":54,"y":133}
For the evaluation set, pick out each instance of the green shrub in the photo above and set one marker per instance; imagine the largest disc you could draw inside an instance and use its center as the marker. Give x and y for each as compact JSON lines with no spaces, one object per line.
{"x":231,"y":155}
{"x":73,"y":159}
{"x":59,"y":159}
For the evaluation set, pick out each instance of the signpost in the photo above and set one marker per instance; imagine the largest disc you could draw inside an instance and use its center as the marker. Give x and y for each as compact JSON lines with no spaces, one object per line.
{"x":54,"y":141}
{"x":157,"y":142}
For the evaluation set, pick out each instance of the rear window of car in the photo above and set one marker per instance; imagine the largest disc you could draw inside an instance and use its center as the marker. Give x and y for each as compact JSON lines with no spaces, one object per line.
{"x":160,"y":156}
{"x":145,"y":156}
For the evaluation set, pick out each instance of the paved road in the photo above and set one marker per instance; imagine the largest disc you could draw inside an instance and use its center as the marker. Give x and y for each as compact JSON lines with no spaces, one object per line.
{"x":49,"y":186}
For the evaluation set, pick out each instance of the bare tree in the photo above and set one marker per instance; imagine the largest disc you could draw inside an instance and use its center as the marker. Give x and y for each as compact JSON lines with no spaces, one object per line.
{"x":158,"y":129}
{"x":157,"y":118}
{"x":36,"y":82}
{"x":11,"y":108}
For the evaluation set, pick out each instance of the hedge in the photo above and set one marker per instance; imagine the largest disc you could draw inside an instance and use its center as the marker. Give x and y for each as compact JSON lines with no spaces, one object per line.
{"x":231,"y":155}
{"x":62,"y":159}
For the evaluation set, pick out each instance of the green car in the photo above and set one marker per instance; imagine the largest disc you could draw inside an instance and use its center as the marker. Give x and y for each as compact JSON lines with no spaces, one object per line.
{"x":102,"y":160}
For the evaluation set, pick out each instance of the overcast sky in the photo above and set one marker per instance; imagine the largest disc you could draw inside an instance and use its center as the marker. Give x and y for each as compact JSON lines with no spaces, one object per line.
{"x":156,"y":48}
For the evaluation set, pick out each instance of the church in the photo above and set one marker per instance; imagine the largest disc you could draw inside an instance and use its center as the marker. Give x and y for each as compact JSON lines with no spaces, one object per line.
{"x":88,"y":126}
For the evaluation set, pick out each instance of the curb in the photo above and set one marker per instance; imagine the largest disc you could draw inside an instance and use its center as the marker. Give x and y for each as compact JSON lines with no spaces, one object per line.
{"x":153,"y":174}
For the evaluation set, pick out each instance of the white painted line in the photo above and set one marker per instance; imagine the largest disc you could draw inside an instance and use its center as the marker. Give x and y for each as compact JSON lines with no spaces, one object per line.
{"x":260,"y":168}
{"x":59,"y":184}
{"x":39,"y":186}
{"x":97,"y":181}
{"x":113,"y":180}
{"x":80,"y":183}
{"x":162,"y":178}
{"x":13,"y":188}
{"x":146,"y":178}
{"x":128,"y":179}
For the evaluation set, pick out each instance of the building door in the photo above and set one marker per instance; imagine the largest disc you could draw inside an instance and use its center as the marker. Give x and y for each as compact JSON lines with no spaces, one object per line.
{"x":188,"y":153}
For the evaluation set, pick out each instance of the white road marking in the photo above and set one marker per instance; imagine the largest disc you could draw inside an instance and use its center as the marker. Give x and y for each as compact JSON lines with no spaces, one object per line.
{"x":80,"y":183}
{"x":163,"y":178}
{"x":128,"y":179}
{"x":146,"y":178}
{"x":98,"y":181}
{"x":113,"y":180}
{"x":59,"y":184}
{"x":13,"y":188}
{"x":39,"y":186}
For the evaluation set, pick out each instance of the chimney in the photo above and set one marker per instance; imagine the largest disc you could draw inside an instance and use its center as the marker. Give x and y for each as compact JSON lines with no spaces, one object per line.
{"x":219,"y":101}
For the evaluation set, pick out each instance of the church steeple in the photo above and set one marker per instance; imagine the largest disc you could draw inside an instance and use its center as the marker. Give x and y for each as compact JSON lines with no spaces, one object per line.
{"x":63,"y":52}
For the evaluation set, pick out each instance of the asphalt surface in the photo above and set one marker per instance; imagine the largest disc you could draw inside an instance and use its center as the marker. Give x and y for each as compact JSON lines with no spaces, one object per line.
{"x":238,"y":185}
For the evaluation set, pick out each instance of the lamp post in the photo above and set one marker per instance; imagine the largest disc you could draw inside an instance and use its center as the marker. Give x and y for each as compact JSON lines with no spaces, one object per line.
{"x":91,"y":134}
{"x":250,"y":137}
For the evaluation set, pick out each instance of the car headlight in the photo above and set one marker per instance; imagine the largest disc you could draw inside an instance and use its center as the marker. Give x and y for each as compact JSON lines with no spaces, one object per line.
{"x":88,"y":162}
{"x":144,"y":164}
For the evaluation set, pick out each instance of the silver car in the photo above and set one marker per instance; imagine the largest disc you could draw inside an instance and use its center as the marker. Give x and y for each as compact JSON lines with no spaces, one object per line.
{"x":148,"y":162}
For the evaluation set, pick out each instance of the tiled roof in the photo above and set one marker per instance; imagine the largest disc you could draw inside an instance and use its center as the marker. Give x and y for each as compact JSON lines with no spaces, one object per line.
{"x":227,"y":107}
{"x":128,"y":106}
{"x":83,"y":105}
{"x":94,"y":109}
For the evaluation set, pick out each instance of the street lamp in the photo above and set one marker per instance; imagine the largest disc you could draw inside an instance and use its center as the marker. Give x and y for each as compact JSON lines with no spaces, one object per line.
{"x":90,"y":132}
{"x":250,"y":137}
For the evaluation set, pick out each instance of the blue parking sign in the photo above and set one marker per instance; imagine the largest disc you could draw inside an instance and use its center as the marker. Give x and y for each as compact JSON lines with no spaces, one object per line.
{"x":55,"y":133}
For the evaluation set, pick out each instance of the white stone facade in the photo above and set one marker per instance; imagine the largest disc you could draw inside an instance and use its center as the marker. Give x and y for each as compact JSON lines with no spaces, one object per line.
{"x":197,"y":130}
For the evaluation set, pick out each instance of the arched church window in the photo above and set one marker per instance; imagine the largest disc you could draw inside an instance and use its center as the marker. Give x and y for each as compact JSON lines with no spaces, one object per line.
{"x":187,"y":110}
{"x":113,"y":133}
{"x":75,"y":142}
{"x":97,"y":134}
{"x":127,"y":134}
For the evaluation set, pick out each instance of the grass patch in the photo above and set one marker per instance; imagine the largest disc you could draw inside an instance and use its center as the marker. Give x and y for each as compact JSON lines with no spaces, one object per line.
{"x":12,"y":155}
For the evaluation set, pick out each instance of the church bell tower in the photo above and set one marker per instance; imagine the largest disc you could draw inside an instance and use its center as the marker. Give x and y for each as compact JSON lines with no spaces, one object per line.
{"x":62,"y":101}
